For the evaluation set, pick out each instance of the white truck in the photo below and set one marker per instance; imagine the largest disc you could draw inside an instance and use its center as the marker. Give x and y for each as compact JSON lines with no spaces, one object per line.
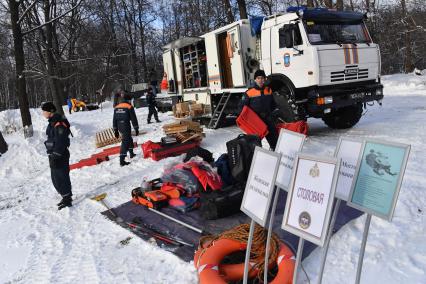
{"x":320,"y":63}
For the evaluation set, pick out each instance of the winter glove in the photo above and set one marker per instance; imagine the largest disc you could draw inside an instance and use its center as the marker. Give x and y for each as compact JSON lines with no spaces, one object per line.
{"x":116,"y":134}
{"x":137,"y":132}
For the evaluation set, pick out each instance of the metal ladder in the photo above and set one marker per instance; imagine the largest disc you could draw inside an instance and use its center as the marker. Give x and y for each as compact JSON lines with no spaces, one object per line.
{"x":218,"y":111}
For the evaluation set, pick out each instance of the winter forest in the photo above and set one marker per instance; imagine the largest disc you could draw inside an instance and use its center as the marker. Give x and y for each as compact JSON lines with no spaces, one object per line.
{"x":54,"y":49}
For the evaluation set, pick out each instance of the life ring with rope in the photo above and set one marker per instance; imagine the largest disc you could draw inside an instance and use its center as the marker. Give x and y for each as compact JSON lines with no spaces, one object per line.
{"x":209,"y":255}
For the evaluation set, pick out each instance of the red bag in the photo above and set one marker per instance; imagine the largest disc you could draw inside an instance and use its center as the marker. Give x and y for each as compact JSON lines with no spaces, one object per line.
{"x":300,"y":126}
{"x":251,"y":123}
{"x":207,"y":178}
{"x":147,"y":148}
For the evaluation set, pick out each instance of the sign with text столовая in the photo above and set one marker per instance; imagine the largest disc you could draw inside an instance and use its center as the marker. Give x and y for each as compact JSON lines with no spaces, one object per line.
{"x":310,"y":197}
{"x":260,"y":185}
{"x":378,"y":177}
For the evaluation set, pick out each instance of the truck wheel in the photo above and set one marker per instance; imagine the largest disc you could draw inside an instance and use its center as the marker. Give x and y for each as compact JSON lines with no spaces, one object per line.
{"x":287,"y":108}
{"x":344,"y":117}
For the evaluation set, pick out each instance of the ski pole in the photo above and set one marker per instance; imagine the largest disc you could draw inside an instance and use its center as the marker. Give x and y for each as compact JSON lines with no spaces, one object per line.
{"x":176,"y":220}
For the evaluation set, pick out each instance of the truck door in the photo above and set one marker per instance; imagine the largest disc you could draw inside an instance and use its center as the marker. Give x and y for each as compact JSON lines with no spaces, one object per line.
{"x":286,"y":58}
{"x":169,"y":69}
{"x":235,"y":54}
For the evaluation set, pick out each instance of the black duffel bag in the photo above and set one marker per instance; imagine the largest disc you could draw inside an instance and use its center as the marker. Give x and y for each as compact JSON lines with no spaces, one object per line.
{"x":221,"y":203}
{"x":240,"y":152}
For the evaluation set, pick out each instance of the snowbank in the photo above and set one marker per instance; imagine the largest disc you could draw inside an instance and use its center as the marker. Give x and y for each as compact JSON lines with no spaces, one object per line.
{"x":41,"y":245}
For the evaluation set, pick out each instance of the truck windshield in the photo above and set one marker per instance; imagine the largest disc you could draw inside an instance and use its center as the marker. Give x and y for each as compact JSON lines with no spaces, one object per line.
{"x":339,"y":33}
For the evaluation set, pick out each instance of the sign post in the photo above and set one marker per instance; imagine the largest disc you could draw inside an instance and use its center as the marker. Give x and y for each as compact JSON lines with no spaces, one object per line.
{"x":258,"y":193}
{"x":309,"y":201}
{"x":377,"y":182}
{"x":288,"y":145}
{"x":348,"y":152}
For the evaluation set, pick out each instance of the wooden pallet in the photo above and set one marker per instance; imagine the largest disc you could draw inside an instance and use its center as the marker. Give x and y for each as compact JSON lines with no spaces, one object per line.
{"x":106,"y":137}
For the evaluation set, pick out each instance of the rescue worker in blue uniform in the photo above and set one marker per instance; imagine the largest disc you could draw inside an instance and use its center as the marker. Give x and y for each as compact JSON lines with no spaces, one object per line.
{"x":259,"y":98}
{"x":57,"y":144}
{"x":152,"y":104}
{"x":124,"y":113}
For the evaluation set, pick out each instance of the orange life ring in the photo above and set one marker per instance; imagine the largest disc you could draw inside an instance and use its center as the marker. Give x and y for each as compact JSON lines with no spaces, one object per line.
{"x":285,"y":263}
{"x":210,"y":271}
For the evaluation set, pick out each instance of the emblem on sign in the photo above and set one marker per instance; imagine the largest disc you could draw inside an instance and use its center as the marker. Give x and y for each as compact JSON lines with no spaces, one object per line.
{"x":314,"y":171}
{"x":304,"y":220}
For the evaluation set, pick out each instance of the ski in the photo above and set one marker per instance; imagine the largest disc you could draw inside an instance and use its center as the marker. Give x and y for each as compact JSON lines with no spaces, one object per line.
{"x":148,"y":233}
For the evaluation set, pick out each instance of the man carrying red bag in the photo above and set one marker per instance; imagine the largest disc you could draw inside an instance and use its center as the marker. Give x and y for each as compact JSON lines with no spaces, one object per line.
{"x":259,"y":99}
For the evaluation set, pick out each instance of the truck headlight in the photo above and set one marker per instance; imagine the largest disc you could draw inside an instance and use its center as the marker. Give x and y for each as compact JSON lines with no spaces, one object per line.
{"x":324,"y":100}
{"x":379,"y":92}
{"x":328,"y":100}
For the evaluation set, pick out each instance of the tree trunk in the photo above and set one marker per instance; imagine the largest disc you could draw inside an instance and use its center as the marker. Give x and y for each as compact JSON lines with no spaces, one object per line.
{"x":339,"y":5}
{"x":243,"y":9}
{"x":328,"y":3}
{"x":21,"y":92}
{"x":50,"y":60}
{"x":228,"y":9}
{"x":408,"y":61}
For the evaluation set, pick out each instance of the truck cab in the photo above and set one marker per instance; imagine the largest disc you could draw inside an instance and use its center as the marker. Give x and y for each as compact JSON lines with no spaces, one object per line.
{"x":321,"y":64}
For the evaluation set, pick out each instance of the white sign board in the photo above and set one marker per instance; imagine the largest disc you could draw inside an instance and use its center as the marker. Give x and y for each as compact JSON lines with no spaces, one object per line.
{"x":260,"y":185}
{"x":348,"y":151}
{"x":310,"y":197}
{"x":288,"y":145}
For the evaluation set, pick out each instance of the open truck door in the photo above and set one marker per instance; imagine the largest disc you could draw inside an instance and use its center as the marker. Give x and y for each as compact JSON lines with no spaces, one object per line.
{"x":235,"y":54}
{"x":169,"y":69}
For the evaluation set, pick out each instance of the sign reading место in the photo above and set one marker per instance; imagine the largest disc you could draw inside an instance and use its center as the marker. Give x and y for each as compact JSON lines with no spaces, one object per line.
{"x":348,"y":151}
{"x":310,"y":197}
{"x":288,"y":145}
{"x":260,"y":185}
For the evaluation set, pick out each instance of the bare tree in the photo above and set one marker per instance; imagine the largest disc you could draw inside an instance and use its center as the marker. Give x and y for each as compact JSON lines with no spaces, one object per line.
{"x":18,"y":42}
{"x":243,"y":9}
{"x":228,"y":9}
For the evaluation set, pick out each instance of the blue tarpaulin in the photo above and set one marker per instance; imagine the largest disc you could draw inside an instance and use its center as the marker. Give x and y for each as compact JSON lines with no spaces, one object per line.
{"x":128,"y":211}
{"x":256,"y":25}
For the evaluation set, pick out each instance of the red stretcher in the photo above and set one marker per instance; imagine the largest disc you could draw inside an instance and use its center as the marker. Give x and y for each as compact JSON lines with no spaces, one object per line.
{"x":98,"y":158}
{"x":157,"y":152}
{"x":249,"y":122}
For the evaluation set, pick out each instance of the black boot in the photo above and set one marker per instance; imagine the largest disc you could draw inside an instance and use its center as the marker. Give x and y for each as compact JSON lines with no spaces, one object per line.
{"x":66,"y":202}
{"x":148,"y":122}
{"x":132,"y":155}
{"x":123,"y":162}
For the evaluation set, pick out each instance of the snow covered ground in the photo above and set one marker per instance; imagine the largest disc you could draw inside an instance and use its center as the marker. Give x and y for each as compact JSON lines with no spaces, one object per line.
{"x":38,"y":244}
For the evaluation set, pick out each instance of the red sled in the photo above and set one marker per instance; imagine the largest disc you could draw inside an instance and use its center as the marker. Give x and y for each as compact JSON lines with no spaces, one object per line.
{"x":249,"y":122}
{"x":147,"y":148}
{"x":300,"y":126}
{"x":158,"y":152}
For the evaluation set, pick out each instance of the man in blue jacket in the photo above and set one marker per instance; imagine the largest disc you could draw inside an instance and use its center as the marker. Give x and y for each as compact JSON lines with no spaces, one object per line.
{"x":259,"y":98}
{"x":152,"y":104}
{"x":57,"y":144}
{"x":124,"y":113}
